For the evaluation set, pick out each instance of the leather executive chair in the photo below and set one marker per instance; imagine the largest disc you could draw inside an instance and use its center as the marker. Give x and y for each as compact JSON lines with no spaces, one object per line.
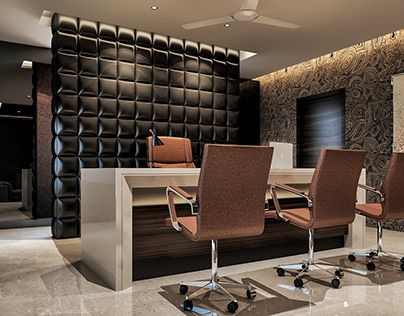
{"x":330,"y":202}
{"x":176,"y":152}
{"x":391,"y":206}
{"x":230,"y":203}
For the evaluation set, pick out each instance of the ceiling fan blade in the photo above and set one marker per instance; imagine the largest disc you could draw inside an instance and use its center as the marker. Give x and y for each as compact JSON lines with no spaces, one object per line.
{"x":205,"y":23}
{"x":249,"y":5}
{"x":275,"y":22}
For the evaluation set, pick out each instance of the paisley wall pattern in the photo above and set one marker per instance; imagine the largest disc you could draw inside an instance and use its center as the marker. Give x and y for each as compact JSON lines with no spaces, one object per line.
{"x":364,"y":71}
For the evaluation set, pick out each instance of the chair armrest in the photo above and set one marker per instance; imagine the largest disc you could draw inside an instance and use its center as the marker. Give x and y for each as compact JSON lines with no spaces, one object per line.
{"x":372,"y":189}
{"x":181,"y":192}
{"x":174,"y":190}
{"x":290,"y":189}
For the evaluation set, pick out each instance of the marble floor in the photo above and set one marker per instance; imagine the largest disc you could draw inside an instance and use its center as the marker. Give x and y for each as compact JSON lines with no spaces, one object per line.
{"x":41,"y":276}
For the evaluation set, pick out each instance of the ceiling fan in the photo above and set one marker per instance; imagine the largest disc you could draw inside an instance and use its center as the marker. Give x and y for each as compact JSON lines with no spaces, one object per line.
{"x":247,"y":13}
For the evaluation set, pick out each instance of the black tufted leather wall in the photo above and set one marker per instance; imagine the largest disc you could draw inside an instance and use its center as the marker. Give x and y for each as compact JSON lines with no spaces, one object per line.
{"x":111,"y":84}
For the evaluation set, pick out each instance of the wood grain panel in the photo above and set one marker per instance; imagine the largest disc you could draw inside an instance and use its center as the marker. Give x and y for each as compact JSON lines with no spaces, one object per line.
{"x":159,"y":250}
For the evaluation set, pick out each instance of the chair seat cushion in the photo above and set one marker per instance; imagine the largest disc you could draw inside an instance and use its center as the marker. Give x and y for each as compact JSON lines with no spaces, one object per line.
{"x":300,"y":217}
{"x":189,"y":225}
{"x":373,"y":210}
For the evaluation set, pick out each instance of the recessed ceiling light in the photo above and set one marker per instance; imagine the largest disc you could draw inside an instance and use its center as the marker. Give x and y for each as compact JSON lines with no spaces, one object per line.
{"x":28,"y":95}
{"x":46,"y":18}
{"x":227,"y":25}
{"x":26,"y":64}
{"x":154,"y":7}
{"x":19,"y":112}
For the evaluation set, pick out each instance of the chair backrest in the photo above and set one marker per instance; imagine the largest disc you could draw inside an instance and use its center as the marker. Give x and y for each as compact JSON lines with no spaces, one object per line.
{"x":175,"y":153}
{"x":393,"y":188}
{"x":334,"y":185}
{"x":231,"y":191}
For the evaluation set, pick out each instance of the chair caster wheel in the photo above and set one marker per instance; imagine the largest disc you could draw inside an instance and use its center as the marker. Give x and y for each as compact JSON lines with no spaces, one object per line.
{"x":188,"y":305}
{"x":298,"y":283}
{"x":372,"y":254}
{"x":339,"y":273}
{"x":183,"y":289}
{"x":232,"y":306}
{"x":335,"y":283}
{"x":251,"y":294}
{"x":280,"y":272}
{"x":402,"y":267}
{"x":402,"y":259}
{"x":371,"y":266}
{"x":352,"y":258}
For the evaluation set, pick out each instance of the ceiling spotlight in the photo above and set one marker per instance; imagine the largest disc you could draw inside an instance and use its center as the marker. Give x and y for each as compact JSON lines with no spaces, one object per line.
{"x":26,"y":64}
{"x":227,"y":25}
{"x":154,"y":7}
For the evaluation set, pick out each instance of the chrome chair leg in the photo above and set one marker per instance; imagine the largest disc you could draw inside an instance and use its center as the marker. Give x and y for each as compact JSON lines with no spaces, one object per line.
{"x":214,"y":285}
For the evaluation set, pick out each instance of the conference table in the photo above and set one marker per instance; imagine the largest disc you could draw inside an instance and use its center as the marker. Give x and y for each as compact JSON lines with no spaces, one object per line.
{"x":109,"y":195}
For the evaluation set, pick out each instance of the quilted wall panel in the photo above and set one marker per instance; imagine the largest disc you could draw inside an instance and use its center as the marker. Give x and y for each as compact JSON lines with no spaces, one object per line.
{"x":111,"y":84}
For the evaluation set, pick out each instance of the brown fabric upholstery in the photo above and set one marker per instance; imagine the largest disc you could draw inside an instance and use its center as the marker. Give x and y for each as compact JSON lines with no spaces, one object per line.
{"x":231,"y":193}
{"x":373,"y":210}
{"x":175,"y":153}
{"x":332,"y":191}
{"x":392,"y":189}
{"x":333,"y":187}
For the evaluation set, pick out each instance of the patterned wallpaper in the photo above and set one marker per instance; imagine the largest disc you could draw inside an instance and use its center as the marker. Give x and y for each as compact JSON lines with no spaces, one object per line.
{"x":365,"y":71}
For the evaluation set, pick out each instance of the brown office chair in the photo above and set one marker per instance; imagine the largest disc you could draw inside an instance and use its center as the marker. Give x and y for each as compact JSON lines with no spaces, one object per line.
{"x":230,"y":203}
{"x":391,"y":206}
{"x":176,"y":152}
{"x":331,"y":202}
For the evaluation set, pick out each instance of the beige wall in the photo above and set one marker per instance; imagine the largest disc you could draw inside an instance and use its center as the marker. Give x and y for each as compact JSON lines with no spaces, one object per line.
{"x":398,"y":112}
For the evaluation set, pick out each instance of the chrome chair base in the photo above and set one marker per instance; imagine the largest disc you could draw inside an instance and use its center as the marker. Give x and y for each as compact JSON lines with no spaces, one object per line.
{"x":374,"y":255}
{"x":213,"y":285}
{"x":303,"y":267}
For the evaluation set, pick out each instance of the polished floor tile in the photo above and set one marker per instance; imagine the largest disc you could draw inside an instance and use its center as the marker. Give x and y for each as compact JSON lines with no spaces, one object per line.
{"x":42,"y":276}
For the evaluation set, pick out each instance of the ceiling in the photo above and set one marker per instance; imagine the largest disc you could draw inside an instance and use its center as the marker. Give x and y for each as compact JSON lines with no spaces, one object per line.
{"x":326,"y":25}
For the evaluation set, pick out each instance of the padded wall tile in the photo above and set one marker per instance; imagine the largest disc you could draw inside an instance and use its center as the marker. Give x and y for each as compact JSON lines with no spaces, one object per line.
{"x":126,"y":90}
{"x":107,"y":49}
{"x":88,"y":106}
{"x":65,"y":125}
{"x":177,"y":95}
{"x":177,"y":78}
{"x":65,"y":104}
{"x":126,"y":128}
{"x":126,"y":71}
{"x":88,"y":146}
{"x":65,"y":146}
{"x":126,"y":35}
{"x":66,"y":166}
{"x":108,"y":108}
{"x":112,"y":84}
{"x":161,"y":128}
{"x":144,"y":111}
{"x":126,"y":53}
{"x":87,"y":28}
